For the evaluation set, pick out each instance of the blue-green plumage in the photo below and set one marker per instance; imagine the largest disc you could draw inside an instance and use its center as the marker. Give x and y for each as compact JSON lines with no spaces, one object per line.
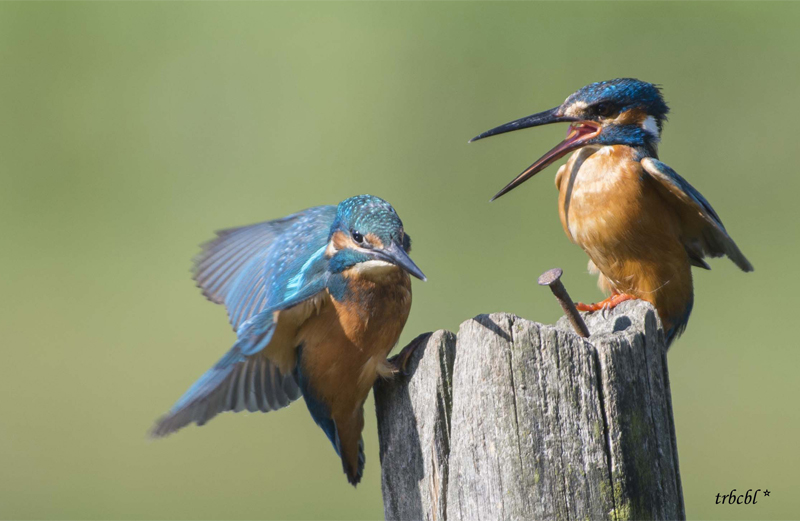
{"x":287,"y":267}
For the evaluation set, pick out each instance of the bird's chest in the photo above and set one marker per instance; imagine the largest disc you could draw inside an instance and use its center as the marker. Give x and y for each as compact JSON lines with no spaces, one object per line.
{"x":372,"y":313}
{"x":600,"y":196}
{"x":345,"y":345}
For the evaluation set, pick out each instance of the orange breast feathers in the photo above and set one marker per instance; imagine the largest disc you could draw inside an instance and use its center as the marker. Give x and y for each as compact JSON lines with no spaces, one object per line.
{"x":630,"y":233}
{"x":346,"y":344}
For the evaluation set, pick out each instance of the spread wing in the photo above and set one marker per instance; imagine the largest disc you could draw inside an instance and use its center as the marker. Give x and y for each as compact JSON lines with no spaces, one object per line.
{"x":284,"y":271}
{"x":235,"y":383}
{"x":222,"y":259}
{"x":243,"y":379}
{"x":704,"y":234}
{"x":244,"y":268}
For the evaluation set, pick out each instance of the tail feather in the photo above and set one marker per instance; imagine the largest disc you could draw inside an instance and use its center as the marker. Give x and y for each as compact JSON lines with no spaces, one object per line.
{"x":353,"y":472}
{"x":679,"y":326}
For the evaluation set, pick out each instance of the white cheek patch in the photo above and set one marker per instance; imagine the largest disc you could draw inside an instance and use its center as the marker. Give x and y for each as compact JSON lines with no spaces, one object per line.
{"x":650,"y":126}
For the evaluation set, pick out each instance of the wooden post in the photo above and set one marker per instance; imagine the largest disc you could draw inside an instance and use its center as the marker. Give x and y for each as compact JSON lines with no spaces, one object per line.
{"x":512,"y":419}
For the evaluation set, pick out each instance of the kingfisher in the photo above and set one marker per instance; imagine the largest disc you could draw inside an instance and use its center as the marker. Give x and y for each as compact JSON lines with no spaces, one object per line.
{"x":318,"y":299}
{"x":642,"y":225}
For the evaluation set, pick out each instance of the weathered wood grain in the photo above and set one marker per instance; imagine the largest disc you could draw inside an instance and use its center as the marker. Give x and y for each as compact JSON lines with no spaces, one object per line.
{"x":414,"y":430}
{"x":518,"y":420}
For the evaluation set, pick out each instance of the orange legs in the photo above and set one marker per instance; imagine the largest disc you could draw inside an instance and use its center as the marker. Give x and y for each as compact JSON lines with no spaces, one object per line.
{"x":605,"y":305}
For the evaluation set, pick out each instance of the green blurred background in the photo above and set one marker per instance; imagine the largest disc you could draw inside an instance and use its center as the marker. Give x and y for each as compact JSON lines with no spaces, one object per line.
{"x":131,"y":131}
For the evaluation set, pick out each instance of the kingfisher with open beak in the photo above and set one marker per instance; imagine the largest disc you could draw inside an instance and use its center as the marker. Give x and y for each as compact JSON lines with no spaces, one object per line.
{"x":642,"y":225}
{"x":318,"y":300}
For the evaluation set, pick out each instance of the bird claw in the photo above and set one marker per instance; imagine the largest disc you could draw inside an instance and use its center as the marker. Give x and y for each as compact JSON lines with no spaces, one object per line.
{"x":580,"y":306}
{"x":400,"y":361}
{"x":605,"y":306}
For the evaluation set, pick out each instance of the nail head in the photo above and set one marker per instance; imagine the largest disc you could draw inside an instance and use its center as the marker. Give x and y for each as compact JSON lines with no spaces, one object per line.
{"x":550,"y":276}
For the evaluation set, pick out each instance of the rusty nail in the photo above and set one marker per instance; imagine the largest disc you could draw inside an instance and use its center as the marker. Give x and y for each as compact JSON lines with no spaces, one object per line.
{"x":552,"y":278}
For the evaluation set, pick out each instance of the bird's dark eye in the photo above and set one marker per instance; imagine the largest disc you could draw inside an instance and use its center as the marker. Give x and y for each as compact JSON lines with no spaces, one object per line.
{"x":357,"y":236}
{"x":604,"y":109}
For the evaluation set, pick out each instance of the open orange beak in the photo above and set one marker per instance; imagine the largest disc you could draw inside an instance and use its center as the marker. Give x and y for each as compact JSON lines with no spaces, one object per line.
{"x":579,"y":133}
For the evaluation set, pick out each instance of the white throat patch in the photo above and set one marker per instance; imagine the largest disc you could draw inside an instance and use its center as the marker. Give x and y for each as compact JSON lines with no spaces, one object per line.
{"x":650,"y":126}
{"x":373,"y":269}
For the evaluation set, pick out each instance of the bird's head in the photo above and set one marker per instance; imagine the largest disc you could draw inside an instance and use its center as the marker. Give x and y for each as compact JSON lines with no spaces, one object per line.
{"x":367,"y":235}
{"x":624,"y":111}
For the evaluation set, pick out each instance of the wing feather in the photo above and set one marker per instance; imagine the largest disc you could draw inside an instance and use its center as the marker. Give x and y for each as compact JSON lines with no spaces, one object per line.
{"x":243,"y":379}
{"x":705,"y":233}
{"x":281,"y":274}
{"x":248,"y":268}
{"x":227,"y":390}
{"x":223,"y":258}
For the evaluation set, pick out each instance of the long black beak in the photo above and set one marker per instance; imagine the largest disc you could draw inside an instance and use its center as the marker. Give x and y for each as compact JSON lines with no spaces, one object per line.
{"x":576,"y":138}
{"x":398,"y":256}
{"x":542,"y":118}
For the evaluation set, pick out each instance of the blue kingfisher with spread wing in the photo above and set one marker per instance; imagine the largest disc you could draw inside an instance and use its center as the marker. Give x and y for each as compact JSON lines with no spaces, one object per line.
{"x":318,"y":300}
{"x":642,"y":225}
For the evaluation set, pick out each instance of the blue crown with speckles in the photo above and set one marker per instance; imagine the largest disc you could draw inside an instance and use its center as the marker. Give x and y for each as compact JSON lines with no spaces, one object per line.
{"x":369,"y":214}
{"x":626,"y":93}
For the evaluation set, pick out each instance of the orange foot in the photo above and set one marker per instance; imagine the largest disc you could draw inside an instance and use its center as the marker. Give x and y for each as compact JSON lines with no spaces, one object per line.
{"x":607,"y":304}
